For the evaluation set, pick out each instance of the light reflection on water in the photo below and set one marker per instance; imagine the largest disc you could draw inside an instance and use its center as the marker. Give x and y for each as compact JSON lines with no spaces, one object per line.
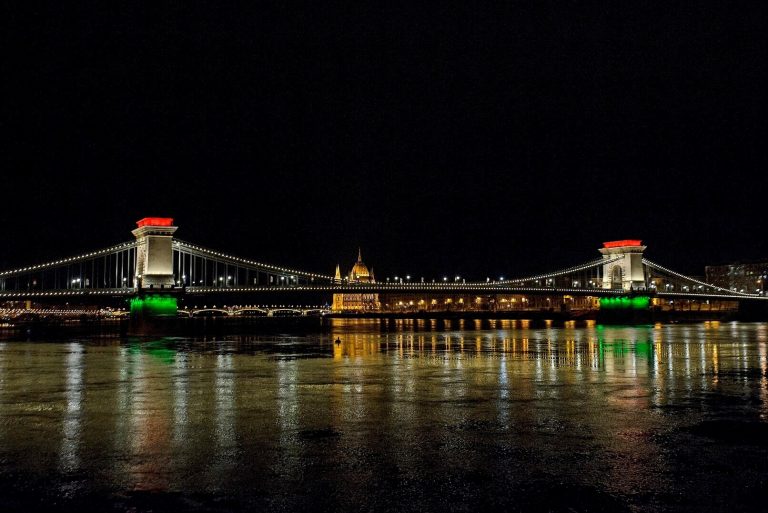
{"x":600,"y":407}
{"x":70,"y":439}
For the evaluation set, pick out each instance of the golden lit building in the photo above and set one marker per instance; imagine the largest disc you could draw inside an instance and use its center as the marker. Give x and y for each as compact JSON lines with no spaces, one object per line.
{"x":356,"y":302}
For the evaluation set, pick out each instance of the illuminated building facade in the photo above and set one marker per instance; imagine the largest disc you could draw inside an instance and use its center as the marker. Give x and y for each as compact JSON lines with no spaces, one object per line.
{"x":452,"y":302}
{"x":740,"y":277}
{"x":356,"y":302}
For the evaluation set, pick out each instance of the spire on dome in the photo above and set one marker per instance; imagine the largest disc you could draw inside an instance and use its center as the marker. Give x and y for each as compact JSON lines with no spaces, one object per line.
{"x":359,"y":254}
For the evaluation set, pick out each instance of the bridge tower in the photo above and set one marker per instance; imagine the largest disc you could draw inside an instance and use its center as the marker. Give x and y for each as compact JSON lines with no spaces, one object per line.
{"x":626,"y":273}
{"x":154,"y":253}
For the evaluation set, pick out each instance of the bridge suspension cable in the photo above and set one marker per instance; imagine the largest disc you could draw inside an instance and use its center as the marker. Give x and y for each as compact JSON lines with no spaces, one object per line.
{"x":71,"y":260}
{"x":570,"y":270}
{"x":211,"y":254}
{"x":663,"y":269}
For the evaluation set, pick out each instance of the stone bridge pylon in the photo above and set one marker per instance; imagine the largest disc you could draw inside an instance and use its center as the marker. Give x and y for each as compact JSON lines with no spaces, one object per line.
{"x":624,"y":269}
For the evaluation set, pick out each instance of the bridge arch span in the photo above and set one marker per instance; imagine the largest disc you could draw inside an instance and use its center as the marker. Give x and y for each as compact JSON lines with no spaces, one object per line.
{"x":209,"y":311}
{"x":251,"y":311}
{"x":285,"y":312}
{"x":617,"y":277}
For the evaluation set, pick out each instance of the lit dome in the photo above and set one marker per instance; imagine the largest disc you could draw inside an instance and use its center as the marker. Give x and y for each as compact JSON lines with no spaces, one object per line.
{"x":360,"y":271}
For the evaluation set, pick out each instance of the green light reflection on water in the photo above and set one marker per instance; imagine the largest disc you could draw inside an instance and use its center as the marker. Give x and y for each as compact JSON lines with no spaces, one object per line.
{"x":158,"y":349}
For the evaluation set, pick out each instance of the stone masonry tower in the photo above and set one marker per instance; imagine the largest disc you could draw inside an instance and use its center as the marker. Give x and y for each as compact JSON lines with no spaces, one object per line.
{"x":154,"y":253}
{"x":628,"y":272}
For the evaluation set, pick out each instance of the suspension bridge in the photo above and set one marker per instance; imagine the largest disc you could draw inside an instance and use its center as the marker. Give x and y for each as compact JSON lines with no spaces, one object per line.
{"x":155,"y":261}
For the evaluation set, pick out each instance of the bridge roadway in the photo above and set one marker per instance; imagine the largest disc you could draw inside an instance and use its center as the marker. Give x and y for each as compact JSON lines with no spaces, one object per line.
{"x":383,"y":288}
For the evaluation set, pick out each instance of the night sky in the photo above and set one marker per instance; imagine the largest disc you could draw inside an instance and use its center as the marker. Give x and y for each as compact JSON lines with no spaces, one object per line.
{"x":460,"y":140}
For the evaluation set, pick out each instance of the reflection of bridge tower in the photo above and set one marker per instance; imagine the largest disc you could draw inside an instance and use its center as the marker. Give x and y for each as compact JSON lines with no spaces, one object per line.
{"x":625,"y":268}
{"x":154,"y":253}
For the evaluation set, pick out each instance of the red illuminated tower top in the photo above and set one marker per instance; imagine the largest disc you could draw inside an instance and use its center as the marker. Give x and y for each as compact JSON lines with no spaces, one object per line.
{"x":622,"y":243}
{"x":154,"y":226}
{"x":155,"y":221}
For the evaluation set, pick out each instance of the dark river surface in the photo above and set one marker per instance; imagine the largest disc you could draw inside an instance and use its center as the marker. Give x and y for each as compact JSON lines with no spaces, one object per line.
{"x":416,"y":417}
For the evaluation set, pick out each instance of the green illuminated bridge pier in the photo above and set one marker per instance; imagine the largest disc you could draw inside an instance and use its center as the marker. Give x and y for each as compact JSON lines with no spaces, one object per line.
{"x":156,"y":271}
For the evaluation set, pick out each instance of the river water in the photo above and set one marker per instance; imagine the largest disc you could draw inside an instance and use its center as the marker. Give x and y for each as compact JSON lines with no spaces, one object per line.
{"x":405,"y":416}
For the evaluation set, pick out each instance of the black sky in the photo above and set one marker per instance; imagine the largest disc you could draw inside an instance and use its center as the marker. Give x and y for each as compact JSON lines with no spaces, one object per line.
{"x":457,"y":139}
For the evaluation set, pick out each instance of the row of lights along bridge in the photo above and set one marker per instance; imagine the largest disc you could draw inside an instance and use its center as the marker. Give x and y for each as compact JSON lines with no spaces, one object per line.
{"x":397,"y":279}
{"x":549,"y":281}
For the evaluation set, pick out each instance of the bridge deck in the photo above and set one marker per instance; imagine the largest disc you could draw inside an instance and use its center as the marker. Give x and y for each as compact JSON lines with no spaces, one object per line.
{"x":383,"y":288}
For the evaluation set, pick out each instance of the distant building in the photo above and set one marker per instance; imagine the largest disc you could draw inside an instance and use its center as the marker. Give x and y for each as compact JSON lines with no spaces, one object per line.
{"x":741,"y":277}
{"x":356,"y":302}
